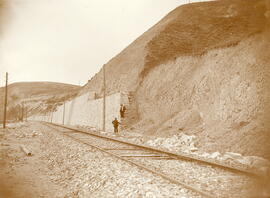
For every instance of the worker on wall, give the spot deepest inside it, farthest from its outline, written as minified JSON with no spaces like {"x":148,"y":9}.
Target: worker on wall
{"x":122,"y":110}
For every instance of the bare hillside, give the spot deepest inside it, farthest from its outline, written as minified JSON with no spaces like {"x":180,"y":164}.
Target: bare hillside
{"x":203,"y":69}
{"x":191,"y":29}
{"x":201,"y":27}
{"x":36,"y":96}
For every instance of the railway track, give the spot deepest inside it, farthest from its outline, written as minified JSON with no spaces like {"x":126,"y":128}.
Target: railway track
{"x":215,"y":179}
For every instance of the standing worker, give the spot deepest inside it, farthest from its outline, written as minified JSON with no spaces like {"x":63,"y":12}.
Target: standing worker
{"x":115,"y":123}
{"x":122,"y":110}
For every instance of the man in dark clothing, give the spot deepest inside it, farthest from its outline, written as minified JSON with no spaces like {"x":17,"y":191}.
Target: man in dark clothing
{"x":122,"y":111}
{"x":115,"y":123}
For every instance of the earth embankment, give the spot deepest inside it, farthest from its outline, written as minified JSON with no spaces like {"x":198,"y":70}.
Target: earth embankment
{"x":203,"y":69}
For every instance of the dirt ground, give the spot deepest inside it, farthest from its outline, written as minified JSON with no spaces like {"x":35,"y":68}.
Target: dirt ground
{"x":60,"y":167}
{"x":21,"y":175}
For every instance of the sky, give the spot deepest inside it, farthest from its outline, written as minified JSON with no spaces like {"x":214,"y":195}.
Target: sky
{"x":68,"y":41}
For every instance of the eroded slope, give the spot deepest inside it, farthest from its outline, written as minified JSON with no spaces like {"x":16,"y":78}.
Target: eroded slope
{"x":202,"y":70}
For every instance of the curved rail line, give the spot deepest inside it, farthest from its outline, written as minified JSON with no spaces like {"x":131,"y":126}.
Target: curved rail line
{"x":169,"y":153}
{"x":146,"y":148}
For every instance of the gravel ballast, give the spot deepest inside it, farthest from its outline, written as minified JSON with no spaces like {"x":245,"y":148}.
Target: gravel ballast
{"x":72,"y":169}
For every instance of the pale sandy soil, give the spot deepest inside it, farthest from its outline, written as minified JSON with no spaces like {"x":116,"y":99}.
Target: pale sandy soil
{"x":21,"y":175}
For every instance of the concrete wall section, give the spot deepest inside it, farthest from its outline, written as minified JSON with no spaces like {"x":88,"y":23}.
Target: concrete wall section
{"x":84,"y":111}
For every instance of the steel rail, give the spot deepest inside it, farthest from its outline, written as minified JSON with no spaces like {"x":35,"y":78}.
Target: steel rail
{"x":169,"y":153}
{"x":170,"y":179}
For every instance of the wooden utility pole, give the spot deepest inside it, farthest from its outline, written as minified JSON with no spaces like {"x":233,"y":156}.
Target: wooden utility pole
{"x":64,"y":112}
{"x":51,"y":116}
{"x":5,"y":104}
{"x":26,"y":113}
{"x":104,"y":99}
{"x":22,"y":110}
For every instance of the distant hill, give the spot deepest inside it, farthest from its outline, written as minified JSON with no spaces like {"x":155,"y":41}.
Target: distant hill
{"x":30,"y":89}
{"x":35,"y":96}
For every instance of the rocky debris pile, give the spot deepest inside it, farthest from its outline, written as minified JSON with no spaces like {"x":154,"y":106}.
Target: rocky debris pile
{"x":86,"y":127}
{"x":180,"y":142}
{"x":25,"y":132}
{"x":16,"y":125}
{"x":186,"y":144}
{"x":259,"y":164}
{"x":28,"y":134}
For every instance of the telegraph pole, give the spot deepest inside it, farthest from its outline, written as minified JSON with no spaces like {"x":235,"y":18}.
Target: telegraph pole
{"x":51,"y":116}
{"x":64,"y":112}
{"x":22,"y":110}
{"x":5,"y":104}
{"x":26,"y":113}
{"x":104,"y":99}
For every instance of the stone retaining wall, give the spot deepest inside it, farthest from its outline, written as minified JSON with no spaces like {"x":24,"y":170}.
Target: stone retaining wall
{"x":86,"y":112}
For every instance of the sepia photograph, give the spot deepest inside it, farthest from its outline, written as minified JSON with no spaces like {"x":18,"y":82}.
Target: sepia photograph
{"x":135,"y":99}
